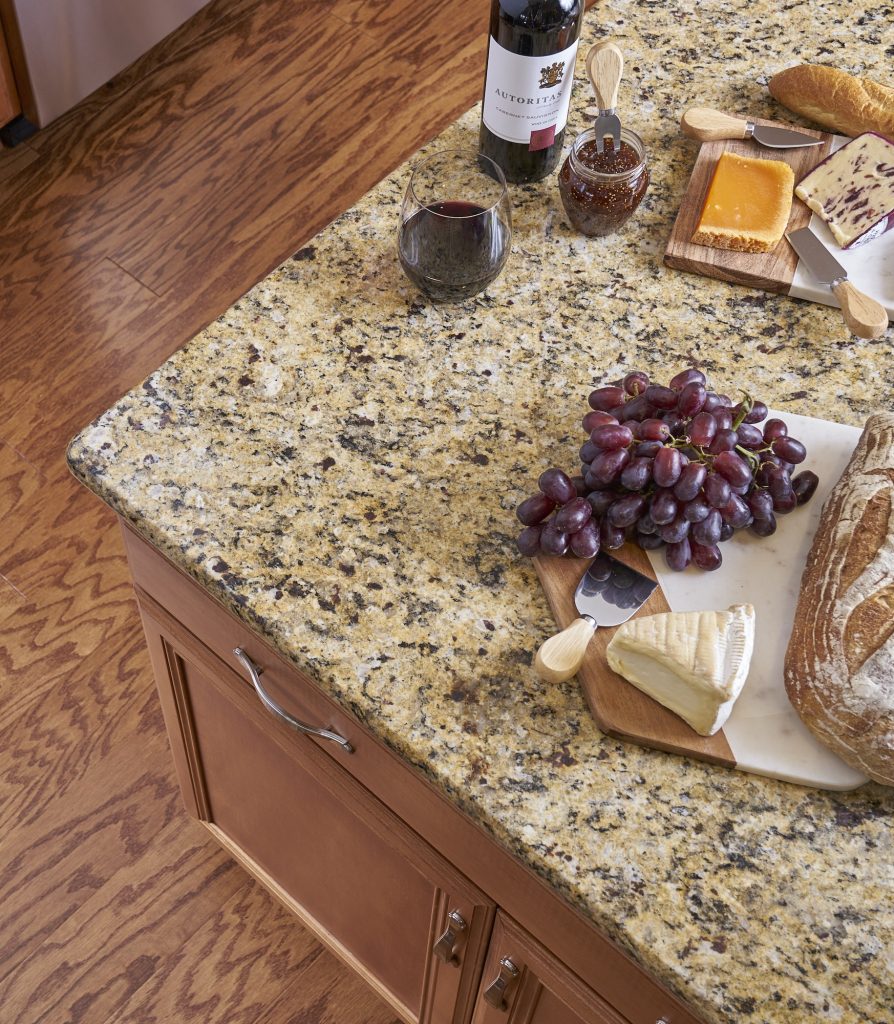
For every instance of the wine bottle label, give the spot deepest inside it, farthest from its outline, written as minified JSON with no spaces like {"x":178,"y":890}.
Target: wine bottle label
{"x":526,"y":99}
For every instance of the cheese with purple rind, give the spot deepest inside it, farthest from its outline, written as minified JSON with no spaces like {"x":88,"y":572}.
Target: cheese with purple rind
{"x":853,"y":190}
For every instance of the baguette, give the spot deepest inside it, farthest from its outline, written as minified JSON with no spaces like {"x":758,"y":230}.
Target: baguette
{"x":835,"y":99}
{"x":839,"y":666}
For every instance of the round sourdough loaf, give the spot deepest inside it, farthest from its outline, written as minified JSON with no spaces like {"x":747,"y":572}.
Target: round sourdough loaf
{"x":835,"y":99}
{"x":839,"y":667}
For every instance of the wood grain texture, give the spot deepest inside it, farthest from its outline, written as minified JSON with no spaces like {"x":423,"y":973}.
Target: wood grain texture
{"x":125,"y":227}
{"x":618,"y":707}
{"x":10,"y":106}
{"x":771,"y":271}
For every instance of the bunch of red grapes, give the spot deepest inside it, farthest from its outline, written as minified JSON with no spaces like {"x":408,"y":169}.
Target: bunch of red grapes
{"x":678,"y":467}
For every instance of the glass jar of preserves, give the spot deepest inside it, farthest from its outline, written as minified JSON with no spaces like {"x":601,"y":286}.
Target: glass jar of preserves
{"x":601,"y":190}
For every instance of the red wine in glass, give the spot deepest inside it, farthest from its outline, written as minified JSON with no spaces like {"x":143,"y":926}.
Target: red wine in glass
{"x":452,"y":248}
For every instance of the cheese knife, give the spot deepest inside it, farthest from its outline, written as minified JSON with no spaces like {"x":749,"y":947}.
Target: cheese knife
{"x":709,"y":125}
{"x":609,"y":593}
{"x":864,"y":316}
{"x":605,"y":65}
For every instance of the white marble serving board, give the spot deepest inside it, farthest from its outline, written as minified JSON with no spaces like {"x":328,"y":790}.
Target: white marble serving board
{"x":870,"y":267}
{"x":766,"y":735}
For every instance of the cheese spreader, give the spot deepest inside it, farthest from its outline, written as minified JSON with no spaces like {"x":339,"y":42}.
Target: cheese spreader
{"x":609,"y":593}
{"x":865,"y":317}
{"x":709,"y":125}
{"x":605,"y":65}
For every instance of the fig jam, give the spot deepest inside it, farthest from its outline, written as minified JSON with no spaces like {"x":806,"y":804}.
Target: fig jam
{"x":601,"y":190}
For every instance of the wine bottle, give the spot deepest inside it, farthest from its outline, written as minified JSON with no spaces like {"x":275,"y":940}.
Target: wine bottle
{"x":527,"y":84}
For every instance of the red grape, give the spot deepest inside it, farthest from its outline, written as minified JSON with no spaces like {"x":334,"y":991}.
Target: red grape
{"x":571,"y":517}
{"x":690,"y":483}
{"x":750,"y":436}
{"x":648,"y":541}
{"x":625,"y":511}
{"x":596,"y":419}
{"x":736,"y":512}
{"x":648,"y":449}
{"x":678,"y":555}
{"x":604,"y":399}
{"x":667,"y":467}
{"x":610,"y":437}
{"x":706,"y":556}
{"x":610,"y":537}
{"x":684,"y":377}
{"x":588,"y":452}
{"x":660,"y":397}
{"x":723,"y":418}
{"x":773,"y":429}
{"x":675,"y":531}
{"x":692,"y":399}
{"x":636,"y":382}
{"x":585,"y":543}
{"x":764,"y":527}
{"x":789,"y":449}
{"x":600,"y":501}
{"x":528,"y":541}
{"x":608,"y":466}
{"x":535,"y":509}
{"x":663,"y":507}
{"x":556,"y":485}
{"x":580,"y":485}
{"x":717,"y":490}
{"x":760,"y":503}
{"x":708,"y":530}
{"x":702,"y":429}
{"x":697,"y":509}
{"x":734,"y":469}
{"x":713,"y":402}
{"x":804,"y":485}
{"x":553,"y":541}
{"x":654,"y":430}
{"x":637,"y":474}
{"x":724,"y":441}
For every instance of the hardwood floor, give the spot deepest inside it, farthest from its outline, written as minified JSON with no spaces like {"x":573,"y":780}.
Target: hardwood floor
{"x":125,"y":227}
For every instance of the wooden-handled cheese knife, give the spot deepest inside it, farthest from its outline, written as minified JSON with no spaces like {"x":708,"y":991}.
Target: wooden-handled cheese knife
{"x":605,"y":65}
{"x":709,"y":125}
{"x":607,"y":595}
{"x":864,"y":316}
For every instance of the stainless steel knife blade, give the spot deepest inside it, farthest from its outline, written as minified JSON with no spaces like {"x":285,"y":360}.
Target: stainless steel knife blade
{"x":820,"y":262}
{"x":610,"y":592}
{"x":783,"y":138}
{"x":864,"y":316}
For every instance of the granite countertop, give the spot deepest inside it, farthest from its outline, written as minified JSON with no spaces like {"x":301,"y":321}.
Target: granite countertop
{"x":339,"y":462}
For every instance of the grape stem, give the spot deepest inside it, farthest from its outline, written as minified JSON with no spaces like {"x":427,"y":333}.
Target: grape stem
{"x":747,"y":405}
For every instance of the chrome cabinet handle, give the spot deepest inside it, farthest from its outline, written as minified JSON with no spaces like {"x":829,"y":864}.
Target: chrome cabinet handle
{"x":496,"y":991}
{"x":254,"y":673}
{"x":446,"y":947}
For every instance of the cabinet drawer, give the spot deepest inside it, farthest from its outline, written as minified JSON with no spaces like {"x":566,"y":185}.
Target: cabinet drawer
{"x":523,"y":983}
{"x":370,"y":888}
{"x":221,"y":632}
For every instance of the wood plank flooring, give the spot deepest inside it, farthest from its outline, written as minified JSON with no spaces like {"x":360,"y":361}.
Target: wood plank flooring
{"x":125,"y":227}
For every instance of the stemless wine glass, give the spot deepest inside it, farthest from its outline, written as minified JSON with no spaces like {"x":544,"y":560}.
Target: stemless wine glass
{"x":455,"y":225}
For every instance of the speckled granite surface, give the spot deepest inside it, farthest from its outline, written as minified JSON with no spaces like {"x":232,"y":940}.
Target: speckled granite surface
{"x":339,"y":462}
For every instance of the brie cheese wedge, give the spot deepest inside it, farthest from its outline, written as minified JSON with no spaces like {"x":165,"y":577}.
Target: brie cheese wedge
{"x":694,"y":663}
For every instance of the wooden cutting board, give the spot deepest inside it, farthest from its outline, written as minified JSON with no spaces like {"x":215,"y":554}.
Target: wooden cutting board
{"x":621,"y":710}
{"x":764,"y":734}
{"x":771,"y":271}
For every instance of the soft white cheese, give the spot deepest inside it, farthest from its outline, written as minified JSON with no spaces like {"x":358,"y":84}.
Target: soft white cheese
{"x":853,"y":190}
{"x":693,"y":663}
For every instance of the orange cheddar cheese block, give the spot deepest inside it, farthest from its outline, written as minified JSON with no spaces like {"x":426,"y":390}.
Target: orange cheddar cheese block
{"x":748,"y":204}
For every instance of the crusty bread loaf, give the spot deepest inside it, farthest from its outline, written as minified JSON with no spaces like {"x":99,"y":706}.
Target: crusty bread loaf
{"x":835,"y":99}
{"x":839,"y":667}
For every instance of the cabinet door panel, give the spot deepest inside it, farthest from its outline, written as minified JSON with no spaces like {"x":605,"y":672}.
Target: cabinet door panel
{"x":356,"y":874}
{"x":523,"y":983}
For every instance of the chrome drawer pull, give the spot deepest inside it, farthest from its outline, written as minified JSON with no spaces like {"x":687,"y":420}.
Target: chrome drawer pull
{"x":254,"y":673}
{"x":496,"y":991}
{"x":445,"y":948}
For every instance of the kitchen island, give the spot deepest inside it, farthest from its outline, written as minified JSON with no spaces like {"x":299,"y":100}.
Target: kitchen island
{"x":337,"y":463}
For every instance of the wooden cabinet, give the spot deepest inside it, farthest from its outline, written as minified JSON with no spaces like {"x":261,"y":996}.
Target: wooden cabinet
{"x":438,"y":917}
{"x":402,"y":916}
{"x":9,"y":97}
{"x":523,"y":983}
